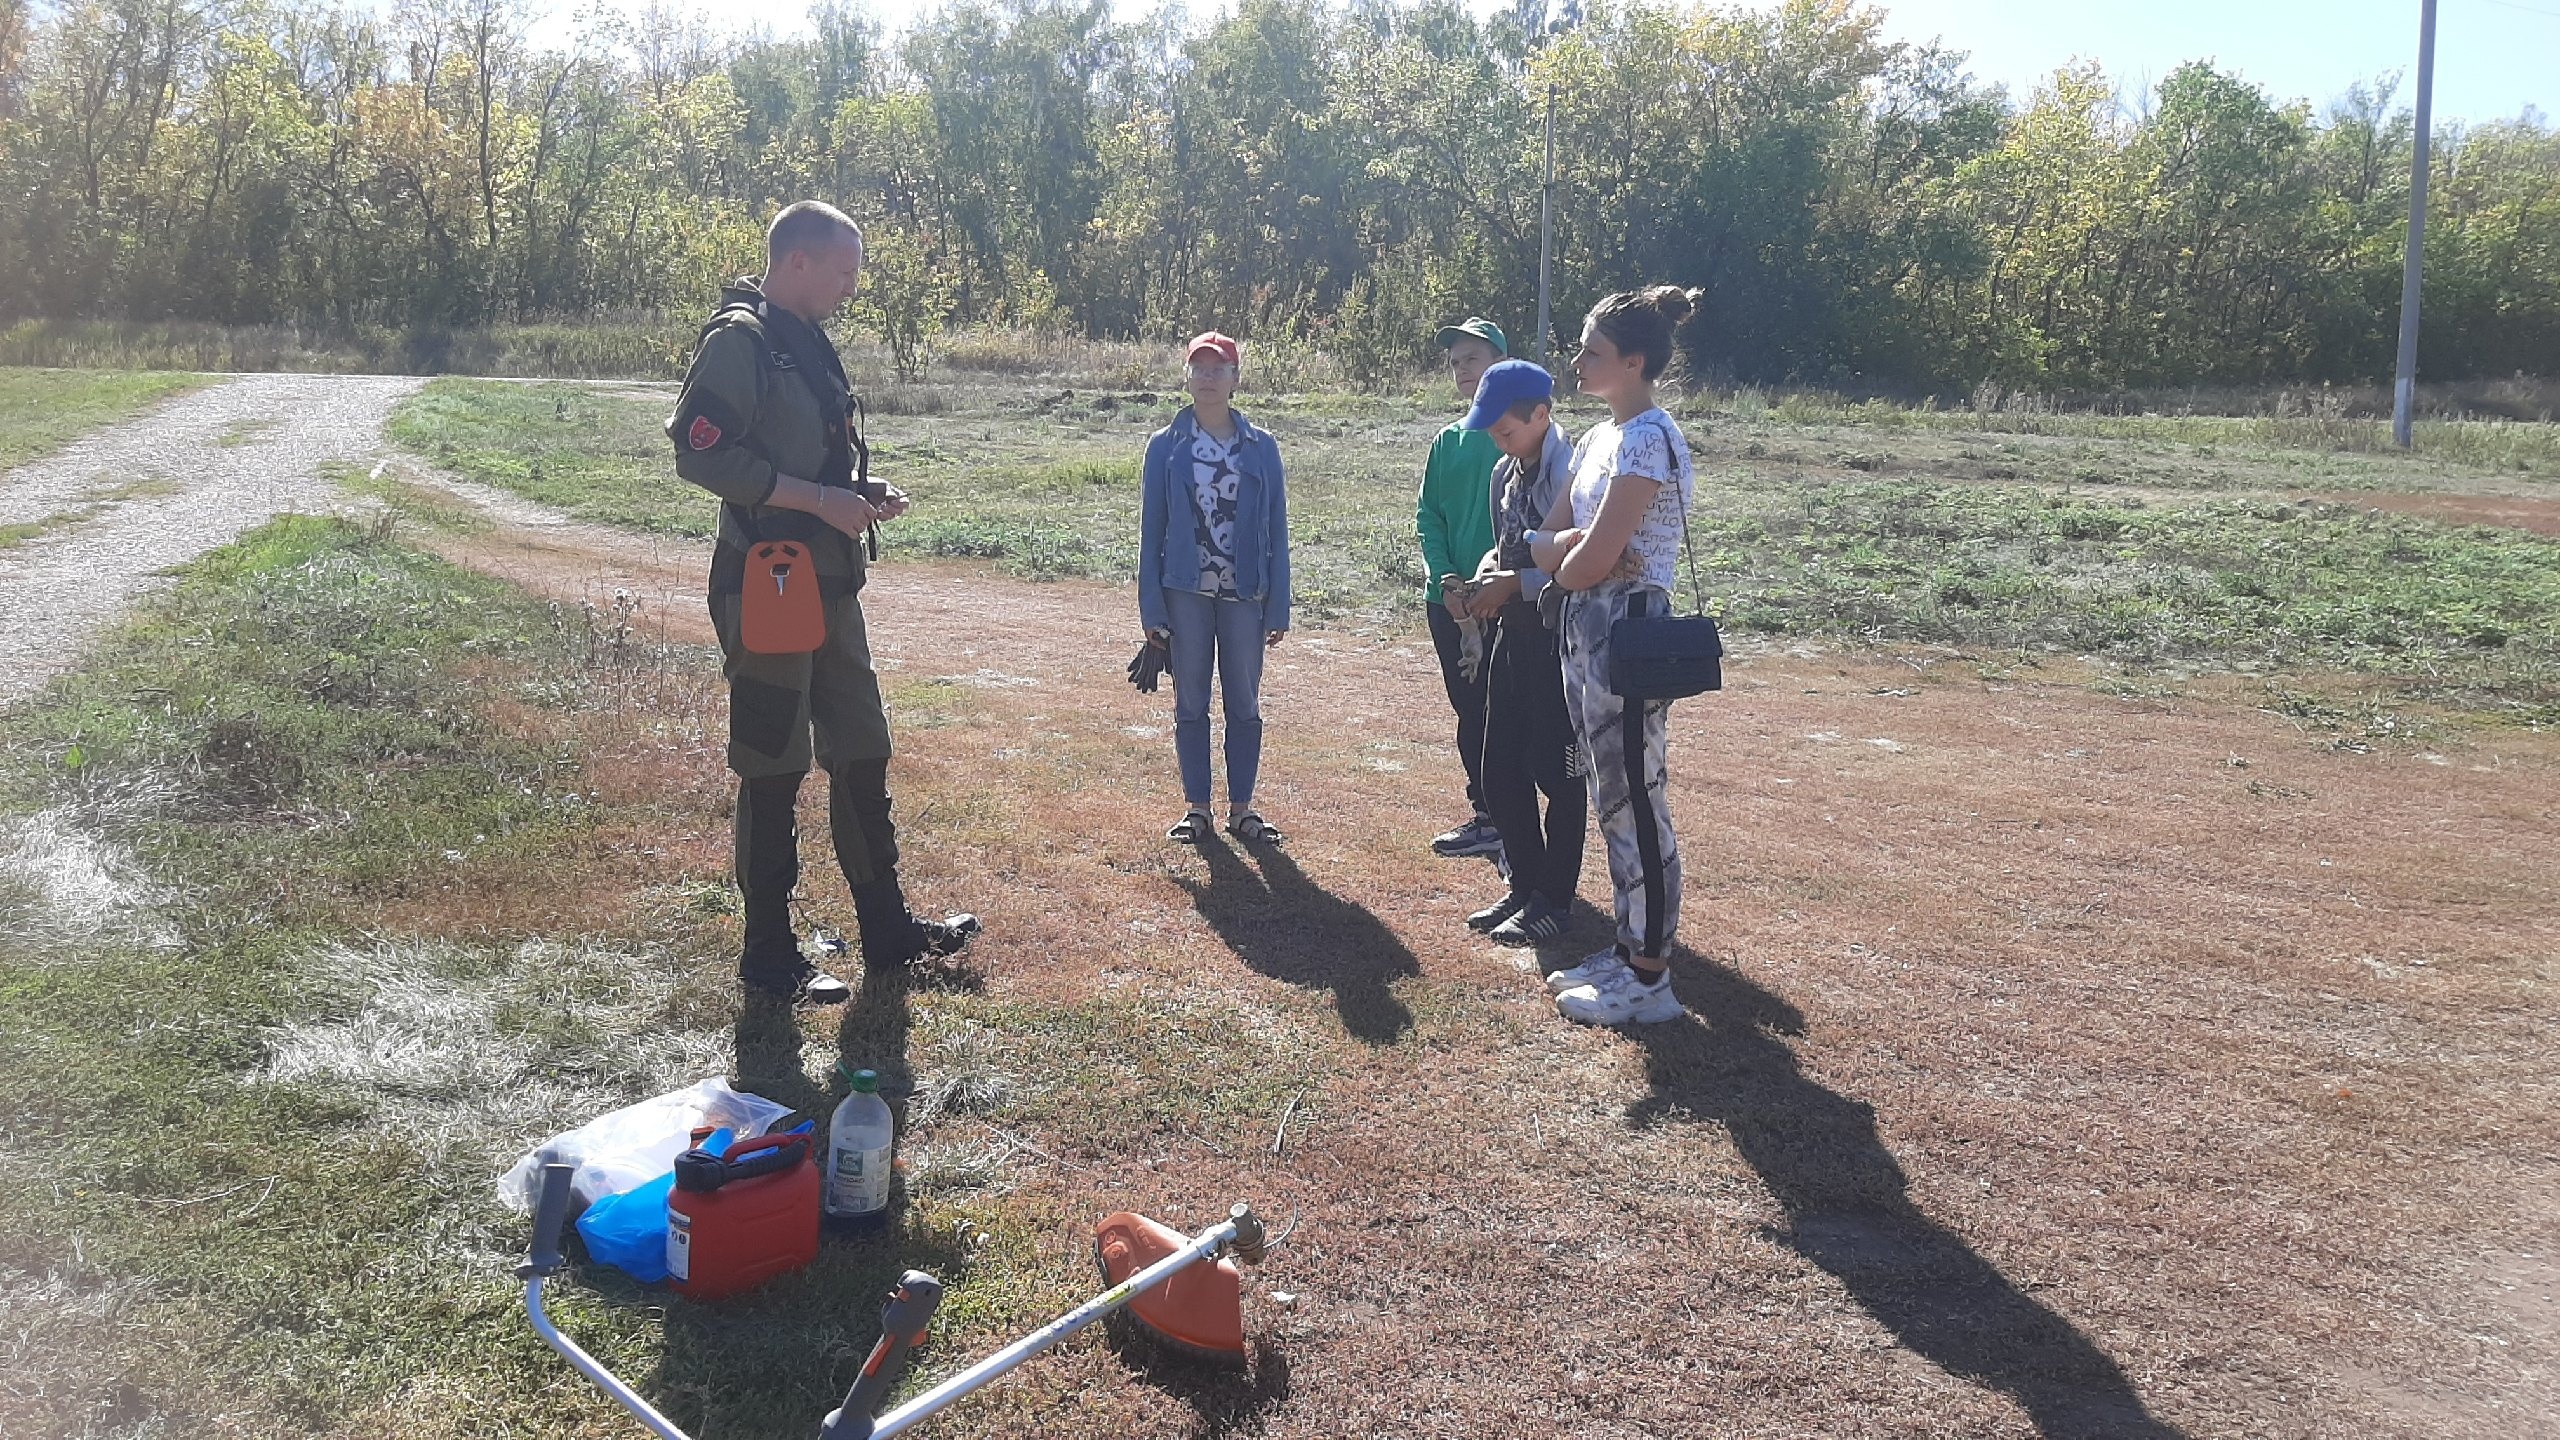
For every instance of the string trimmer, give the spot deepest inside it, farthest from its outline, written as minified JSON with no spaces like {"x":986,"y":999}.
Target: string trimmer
{"x":1183,"y":1291}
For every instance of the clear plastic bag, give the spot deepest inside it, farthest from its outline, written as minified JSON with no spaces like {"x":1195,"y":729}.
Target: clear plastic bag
{"x":638,"y":1143}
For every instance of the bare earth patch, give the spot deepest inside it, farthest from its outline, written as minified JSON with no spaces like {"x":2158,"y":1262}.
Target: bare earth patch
{"x":2541,"y":516}
{"x":2058,"y":1063}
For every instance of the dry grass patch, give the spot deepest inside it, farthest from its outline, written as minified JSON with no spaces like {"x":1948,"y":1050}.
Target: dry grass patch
{"x":2048,"y":1068}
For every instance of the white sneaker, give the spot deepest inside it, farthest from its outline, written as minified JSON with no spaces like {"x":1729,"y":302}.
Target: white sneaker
{"x":1599,"y":967}
{"x":1621,"y":999}
{"x":1477,"y":837}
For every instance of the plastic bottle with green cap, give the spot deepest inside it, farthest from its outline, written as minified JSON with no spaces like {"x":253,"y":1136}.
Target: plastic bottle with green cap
{"x":861,"y":1142}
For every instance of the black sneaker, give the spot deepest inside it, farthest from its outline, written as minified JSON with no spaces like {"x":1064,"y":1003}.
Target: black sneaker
{"x":808,"y":985}
{"x":949,"y":935}
{"x":1494,"y":914}
{"x":1536,"y":923}
{"x":1476,"y":837}
{"x":926,"y":940}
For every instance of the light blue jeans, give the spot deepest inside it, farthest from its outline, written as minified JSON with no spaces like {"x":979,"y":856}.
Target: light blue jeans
{"x":1225,"y":635}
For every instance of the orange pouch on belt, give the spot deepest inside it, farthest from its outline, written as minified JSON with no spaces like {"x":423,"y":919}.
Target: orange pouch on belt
{"x":779,"y":612}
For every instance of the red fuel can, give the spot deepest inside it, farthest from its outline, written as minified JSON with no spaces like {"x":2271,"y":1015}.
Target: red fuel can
{"x":736,"y":1221}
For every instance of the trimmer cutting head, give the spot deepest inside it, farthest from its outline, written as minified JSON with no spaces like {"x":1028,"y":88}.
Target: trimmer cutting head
{"x":1199,"y":1312}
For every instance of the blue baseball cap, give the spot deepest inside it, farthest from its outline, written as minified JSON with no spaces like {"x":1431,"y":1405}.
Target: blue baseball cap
{"x":1506,"y":383}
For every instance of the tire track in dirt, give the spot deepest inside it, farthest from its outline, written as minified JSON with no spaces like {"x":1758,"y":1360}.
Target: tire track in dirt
{"x":545,"y":552}
{"x":2514,"y":512}
{"x":122,"y":506}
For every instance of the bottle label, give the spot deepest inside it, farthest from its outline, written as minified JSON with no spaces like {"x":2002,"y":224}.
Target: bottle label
{"x":860,"y":1184}
{"x":679,"y":1246}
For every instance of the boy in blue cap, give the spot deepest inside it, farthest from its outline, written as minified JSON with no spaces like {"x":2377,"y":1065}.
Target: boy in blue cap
{"x":1453,"y":518}
{"x":1529,"y":738}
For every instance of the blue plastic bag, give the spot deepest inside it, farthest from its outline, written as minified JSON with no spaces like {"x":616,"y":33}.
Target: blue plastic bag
{"x":629,"y":1231}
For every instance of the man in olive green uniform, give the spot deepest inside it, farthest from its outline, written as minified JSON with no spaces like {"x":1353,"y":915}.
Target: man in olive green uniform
{"x":764,"y":422}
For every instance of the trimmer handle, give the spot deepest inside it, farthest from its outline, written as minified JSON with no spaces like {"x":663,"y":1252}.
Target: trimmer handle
{"x":550,"y":1212}
{"x":902,"y":1325}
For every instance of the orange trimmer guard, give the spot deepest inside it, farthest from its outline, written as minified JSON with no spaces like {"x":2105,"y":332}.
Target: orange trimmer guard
{"x":1200,"y":1310}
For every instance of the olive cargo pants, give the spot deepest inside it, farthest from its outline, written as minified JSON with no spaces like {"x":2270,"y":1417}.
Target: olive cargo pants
{"x":786,"y":713}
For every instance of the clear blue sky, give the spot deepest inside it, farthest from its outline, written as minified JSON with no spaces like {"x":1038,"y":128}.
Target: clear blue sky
{"x":2493,"y":57}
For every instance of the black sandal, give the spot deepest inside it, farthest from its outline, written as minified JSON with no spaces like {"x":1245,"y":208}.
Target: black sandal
{"x":1252,"y":829}
{"x":1191,"y":829}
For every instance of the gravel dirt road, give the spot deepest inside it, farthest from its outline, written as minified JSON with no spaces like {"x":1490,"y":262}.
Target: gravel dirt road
{"x":99,"y":523}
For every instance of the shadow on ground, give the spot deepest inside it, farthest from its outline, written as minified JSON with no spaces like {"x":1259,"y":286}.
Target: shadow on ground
{"x":775,"y":1360}
{"x":768,"y":1050}
{"x":1230,"y":1400}
{"x":871,"y":1034}
{"x":1286,"y":926}
{"x":1849,"y":1211}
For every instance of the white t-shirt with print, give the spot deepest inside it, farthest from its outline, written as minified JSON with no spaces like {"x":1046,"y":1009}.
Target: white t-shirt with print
{"x":1213,"y":511}
{"x":1651,"y":447}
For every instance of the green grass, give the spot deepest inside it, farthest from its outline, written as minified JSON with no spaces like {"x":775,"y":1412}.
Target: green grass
{"x":247,"y":430}
{"x":252,"y":1120}
{"x":2469,"y":613}
{"x":19,"y":533}
{"x":1047,"y":489}
{"x":412,"y":502}
{"x":597,"y":455}
{"x":2069,"y":545}
{"x":603,"y":349}
{"x":2499,"y":446}
{"x":97,"y":501}
{"x":285,"y":743}
{"x":43,"y":410}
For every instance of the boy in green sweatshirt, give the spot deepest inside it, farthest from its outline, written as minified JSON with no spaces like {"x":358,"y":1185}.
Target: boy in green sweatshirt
{"x":1454,"y":519}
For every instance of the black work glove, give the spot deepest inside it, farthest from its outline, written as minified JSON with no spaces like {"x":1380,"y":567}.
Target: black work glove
{"x":1148,"y":667}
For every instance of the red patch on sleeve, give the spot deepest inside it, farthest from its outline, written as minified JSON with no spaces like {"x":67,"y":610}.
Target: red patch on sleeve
{"x":703,"y":435}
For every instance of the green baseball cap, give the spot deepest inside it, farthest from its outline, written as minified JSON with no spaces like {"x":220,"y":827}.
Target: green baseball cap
{"x":1475,"y":327}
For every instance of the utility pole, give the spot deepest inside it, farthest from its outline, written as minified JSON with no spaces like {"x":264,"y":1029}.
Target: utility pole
{"x":2405,"y":382}
{"x":1546,"y":232}
{"x":1571,"y":17}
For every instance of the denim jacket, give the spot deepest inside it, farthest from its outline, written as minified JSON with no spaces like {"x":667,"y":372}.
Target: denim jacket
{"x":1168,"y":548}
{"x":1538,"y":496}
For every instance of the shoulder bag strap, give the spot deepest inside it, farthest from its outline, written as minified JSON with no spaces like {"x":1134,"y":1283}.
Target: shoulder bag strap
{"x":1697,"y":589}
{"x":742,"y":314}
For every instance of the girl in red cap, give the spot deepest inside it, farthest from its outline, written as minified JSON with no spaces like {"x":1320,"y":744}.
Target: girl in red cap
{"x":1213,"y":578}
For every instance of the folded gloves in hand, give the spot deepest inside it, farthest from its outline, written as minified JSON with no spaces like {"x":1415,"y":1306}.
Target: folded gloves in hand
{"x":1148,"y":667}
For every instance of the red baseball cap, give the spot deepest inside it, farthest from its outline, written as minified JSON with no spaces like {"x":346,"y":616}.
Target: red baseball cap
{"x":1222,"y":346}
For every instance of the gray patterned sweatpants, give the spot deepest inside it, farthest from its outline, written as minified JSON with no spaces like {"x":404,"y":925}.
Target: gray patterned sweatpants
{"x":1623,"y":750}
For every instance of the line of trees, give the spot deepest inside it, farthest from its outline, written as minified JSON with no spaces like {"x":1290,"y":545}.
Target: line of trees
{"x":1860,"y":213}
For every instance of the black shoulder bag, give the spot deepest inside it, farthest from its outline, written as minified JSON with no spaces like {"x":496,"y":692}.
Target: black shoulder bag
{"x":1667,"y":657}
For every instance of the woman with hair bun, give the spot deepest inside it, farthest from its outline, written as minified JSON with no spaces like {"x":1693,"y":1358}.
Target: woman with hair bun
{"x":1612,"y":544}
